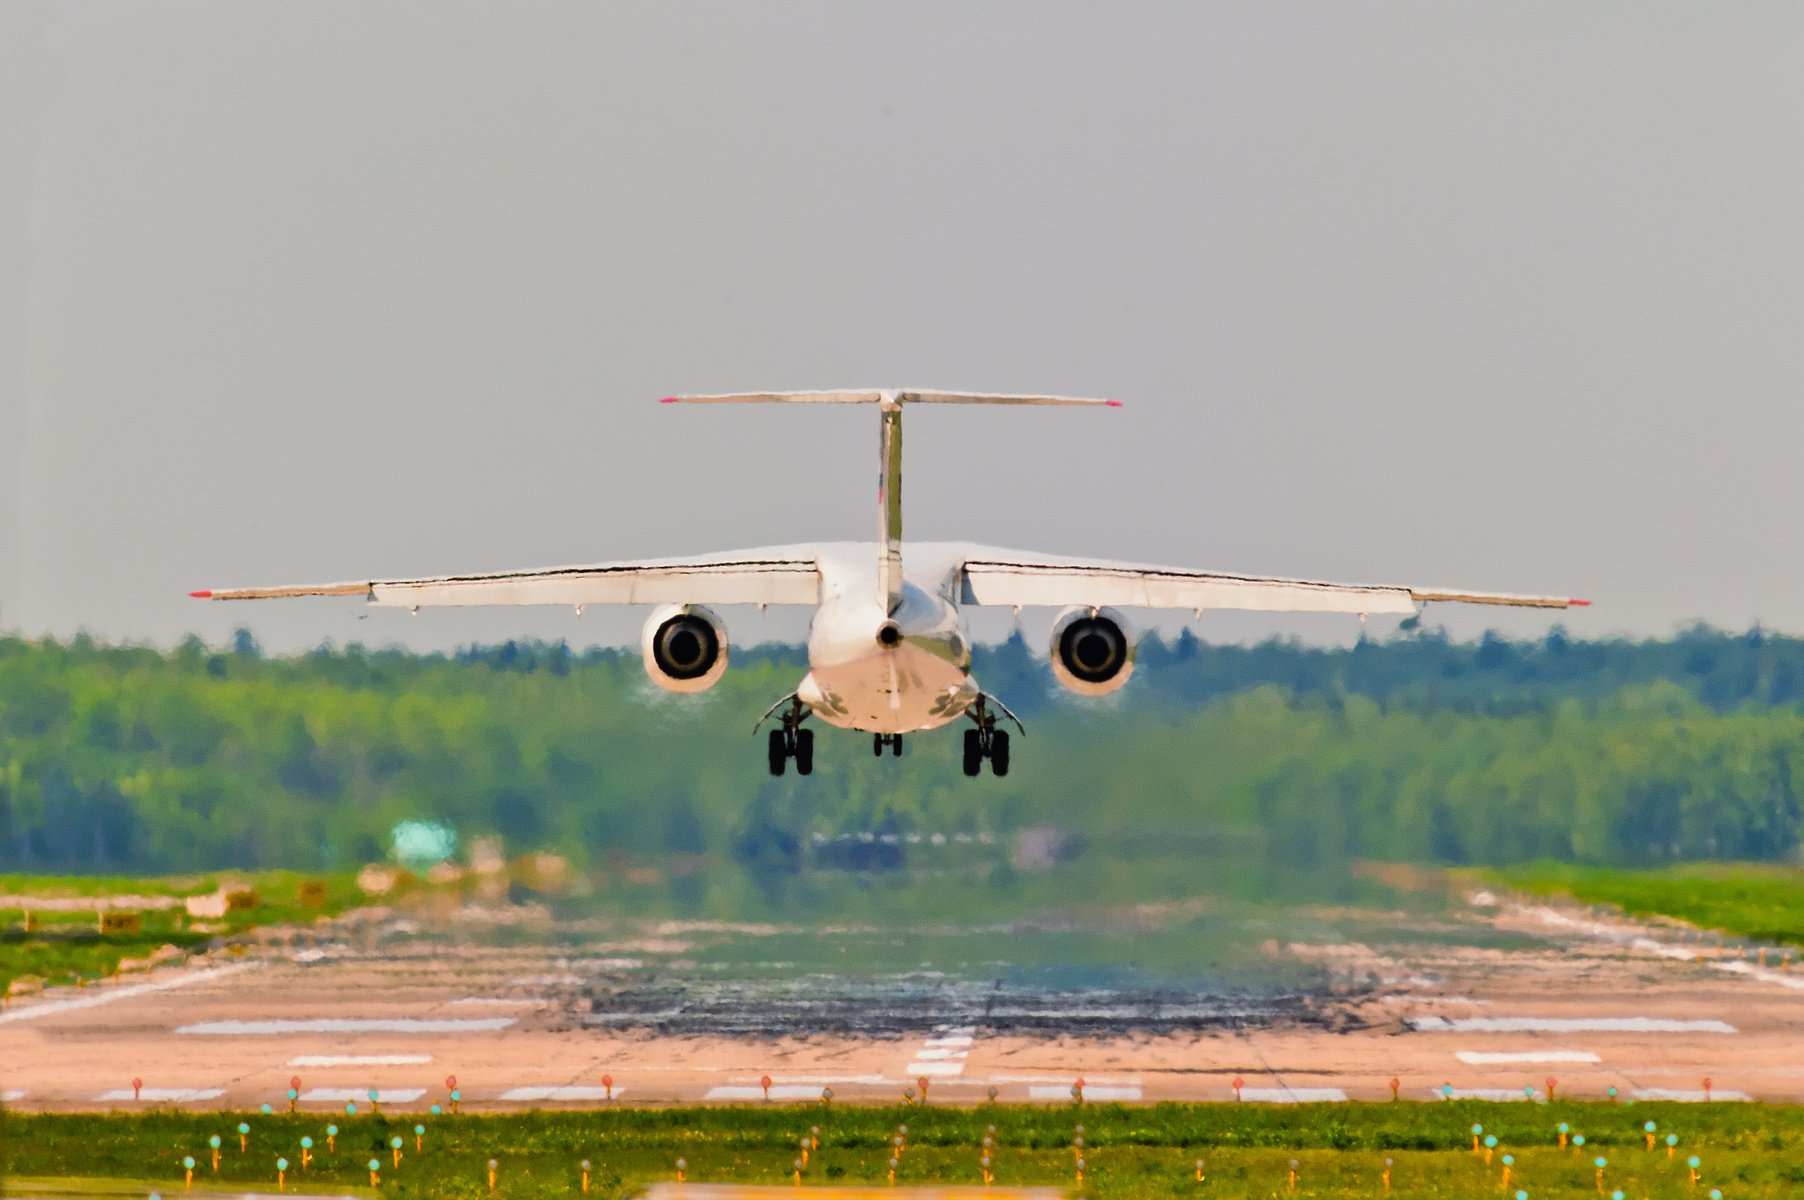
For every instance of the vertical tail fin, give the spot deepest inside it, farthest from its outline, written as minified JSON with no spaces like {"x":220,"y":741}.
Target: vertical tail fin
{"x":889,"y":478}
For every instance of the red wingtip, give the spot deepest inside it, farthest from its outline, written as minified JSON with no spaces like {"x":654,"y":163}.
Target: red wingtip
{"x":1113,"y":403}
{"x":202,"y":595}
{"x":668,"y":400}
{"x":1575,"y":602}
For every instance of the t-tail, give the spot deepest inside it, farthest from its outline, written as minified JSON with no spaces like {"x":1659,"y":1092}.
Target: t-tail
{"x":889,"y":471}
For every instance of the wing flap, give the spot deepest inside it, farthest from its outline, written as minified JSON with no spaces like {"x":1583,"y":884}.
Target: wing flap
{"x":721,"y":581}
{"x":995,"y":581}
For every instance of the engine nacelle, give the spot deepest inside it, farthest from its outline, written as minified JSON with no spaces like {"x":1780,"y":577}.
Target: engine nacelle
{"x":1092,"y":650}
{"x":685,"y":648}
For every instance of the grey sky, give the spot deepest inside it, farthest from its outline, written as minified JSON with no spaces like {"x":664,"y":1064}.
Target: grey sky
{"x":1503,"y":296}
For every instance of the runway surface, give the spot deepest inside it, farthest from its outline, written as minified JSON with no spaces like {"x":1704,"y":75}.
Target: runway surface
{"x":1490,"y":1001}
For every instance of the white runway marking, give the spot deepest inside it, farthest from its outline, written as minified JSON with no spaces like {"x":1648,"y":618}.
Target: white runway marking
{"x":778,"y":1091}
{"x":361,"y":1095}
{"x":1482,"y":1058}
{"x":1565,"y":1025}
{"x":937,"y":1055}
{"x":1284,"y":1095}
{"x":496,"y":1002}
{"x":1685,"y":1096}
{"x":1497,"y":1094}
{"x":1067,"y":1080}
{"x":942,"y":1056}
{"x":162,"y":1095}
{"x":949,"y":1041}
{"x":359,"y":1060}
{"x":349,"y":1025}
{"x":935,"y":1070}
{"x":1091,"y":1092}
{"x":8,"y":1095}
{"x":98,"y":997}
{"x":522,"y":1094}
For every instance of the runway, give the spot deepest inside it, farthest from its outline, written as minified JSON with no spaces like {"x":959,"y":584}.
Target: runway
{"x":1502,"y":1002}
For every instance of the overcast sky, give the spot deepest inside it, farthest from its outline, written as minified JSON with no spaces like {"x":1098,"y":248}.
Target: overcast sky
{"x":1499,"y":296}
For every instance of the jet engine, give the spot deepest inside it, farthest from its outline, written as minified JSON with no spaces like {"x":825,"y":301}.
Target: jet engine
{"x":1092,"y":650}
{"x":685,"y":647}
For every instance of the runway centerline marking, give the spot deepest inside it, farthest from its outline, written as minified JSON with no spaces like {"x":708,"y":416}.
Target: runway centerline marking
{"x":349,"y":1025}
{"x":1499,"y":1095}
{"x":95,"y":999}
{"x":1566,"y":1025}
{"x":778,"y":1091}
{"x":1482,"y":1058}
{"x":359,"y":1060}
{"x":1688,"y":1097}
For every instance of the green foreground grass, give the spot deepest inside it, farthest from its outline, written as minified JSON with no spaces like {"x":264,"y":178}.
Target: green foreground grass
{"x":1131,"y":1152}
{"x":1762,"y":902}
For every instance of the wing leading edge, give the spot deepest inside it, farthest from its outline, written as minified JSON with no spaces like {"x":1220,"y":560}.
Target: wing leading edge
{"x":1031,"y":581}
{"x":748,"y":577}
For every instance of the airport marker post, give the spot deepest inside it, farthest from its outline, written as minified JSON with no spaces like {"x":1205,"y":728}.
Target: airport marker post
{"x":1600,"y":1162}
{"x":1509,"y":1160}
{"x":1706,"y":1089}
{"x":1238,"y":1084}
{"x":1396,"y":1086}
{"x":375,"y":1165}
{"x":137,"y":1088}
{"x":1293,"y":1174}
{"x":281,"y":1174}
{"x":585,"y":1167}
{"x":1490,"y":1145}
{"x":306,"y":1152}
{"x":1647,"y":1131}
{"x":1564,"y":1129}
{"x":1672,"y":1141}
{"x":294,"y":1095}
{"x":1386,"y":1176}
{"x":495,"y":1166}
{"x":244,"y":1138}
{"x":922,"y":1084}
{"x":1551,"y":1084}
{"x":607,"y":1085}
{"x":764,"y":1082}
{"x":394,"y":1143}
{"x":188,"y":1167}
{"x":419,"y":1139}
{"x":213,"y":1142}
{"x":332,"y":1138}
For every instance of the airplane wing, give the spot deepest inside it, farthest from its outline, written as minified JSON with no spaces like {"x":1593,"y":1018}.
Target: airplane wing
{"x":1022,"y":581}
{"x":742,"y":577}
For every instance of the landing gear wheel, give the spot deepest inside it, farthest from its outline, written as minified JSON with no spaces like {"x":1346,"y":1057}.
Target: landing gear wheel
{"x":973,"y":753}
{"x":804,"y":752}
{"x":999,"y":753}
{"x":877,"y":745}
{"x":779,"y":752}
{"x":895,"y":745}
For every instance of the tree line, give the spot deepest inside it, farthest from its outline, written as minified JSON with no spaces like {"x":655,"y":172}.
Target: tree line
{"x":131,"y":758}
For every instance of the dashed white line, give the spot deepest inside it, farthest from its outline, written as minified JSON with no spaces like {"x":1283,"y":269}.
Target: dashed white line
{"x":1691,"y":1097}
{"x":526,"y":1094}
{"x":1500,"y":1095}
{"x":359,"y":1060}
{"x":1091,"y":1092}
{"x":1287,"y":1095}
{"x":778,"y":1091}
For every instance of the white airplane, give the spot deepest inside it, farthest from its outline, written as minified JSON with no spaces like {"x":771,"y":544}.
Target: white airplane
{"x":887,"y":650}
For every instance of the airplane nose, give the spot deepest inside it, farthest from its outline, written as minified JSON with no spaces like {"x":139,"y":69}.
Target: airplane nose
{"x":889,"y":634}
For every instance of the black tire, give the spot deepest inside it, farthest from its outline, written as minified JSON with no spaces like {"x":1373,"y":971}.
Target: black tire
{"x":999,"y":753}
{"x":804,"y":752}
{"x":895,"y":742}
{"x":779,"y":752}
{"x":877,"y":745}
{"x":973,"y":753}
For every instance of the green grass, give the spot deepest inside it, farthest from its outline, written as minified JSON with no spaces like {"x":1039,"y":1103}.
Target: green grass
{"x":1747,"y":1150}
{"x":66,"y":946}
{"x":1758,"y":901}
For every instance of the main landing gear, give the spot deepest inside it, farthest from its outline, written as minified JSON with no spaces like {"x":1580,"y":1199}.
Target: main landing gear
{"x":792,"y":741}
{"x":986,"y":741}
{"x":892,"y":740}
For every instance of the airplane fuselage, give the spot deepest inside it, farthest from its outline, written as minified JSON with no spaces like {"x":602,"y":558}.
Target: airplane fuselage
{"x":888,"y":671}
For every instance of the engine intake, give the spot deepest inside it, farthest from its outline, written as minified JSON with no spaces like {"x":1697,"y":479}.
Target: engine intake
{"x":685,"y":648}
{"x":1092,"y":650}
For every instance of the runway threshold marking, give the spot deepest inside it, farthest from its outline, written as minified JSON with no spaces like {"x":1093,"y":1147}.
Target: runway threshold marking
{"x":359,"y":1060}
{"x":98,"y":997}
{"x":356,"y":1095}
{"x":160,"y":1095}
{"x":569,"y":1092}
{"x":349,"y":1025}
{"x":1286,"y":1095}
{"x":1565,"y":1025}
{"x":1091,"y":1092}
{"x":1485,"y":1058}
{"x":8,"y":1095}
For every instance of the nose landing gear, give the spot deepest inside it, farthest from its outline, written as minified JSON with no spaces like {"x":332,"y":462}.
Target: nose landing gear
{"x":987,"y":741}
{"x":892,"y":740}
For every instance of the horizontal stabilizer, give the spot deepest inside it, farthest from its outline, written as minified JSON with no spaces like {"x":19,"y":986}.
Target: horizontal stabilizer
{"x":885,"y":396}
